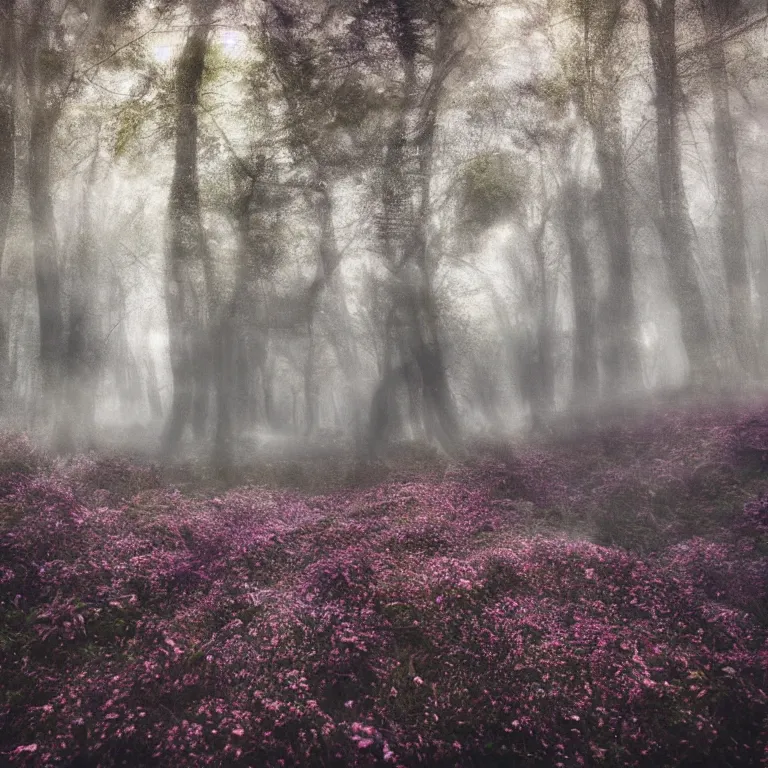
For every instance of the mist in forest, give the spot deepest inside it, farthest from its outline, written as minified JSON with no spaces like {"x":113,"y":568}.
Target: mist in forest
{"x":228,"y":226}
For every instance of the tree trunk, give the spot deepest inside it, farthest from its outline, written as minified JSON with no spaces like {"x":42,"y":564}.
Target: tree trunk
{"x":761,"y":283}
{"x":153,"y":390}
{"x":621,"y":355}
{"x":600,"y":105}
{"x":339,"y":322}
{"x":439,"y":406}
{"x":676,"y":227}
{"x":585,"y":373}
{"x":543,"y":395}
{"x":45,"y":250}
{"x":403,"y":230}
{"x":75,"y":424}
{"x":7,"y":179}
{"x":731,"y":201}
{"x":224,"y":368}
{"x":186,"y":252}
{"x":7,"y":122}
{"x":310,"y":394}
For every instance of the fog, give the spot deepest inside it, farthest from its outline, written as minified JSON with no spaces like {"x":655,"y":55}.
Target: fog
{"x":232,"y":226}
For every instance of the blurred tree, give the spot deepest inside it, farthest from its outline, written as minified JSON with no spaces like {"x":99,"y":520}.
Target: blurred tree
{"x":322,"y":93}
{"x":188,"y":279}
{"x":675,"y":224}
{"x":429,"y":32}
{"x":8,"y":77}
{"x":719,"y":17}
{"x":594,"y":68}
{"x":60,"y":44}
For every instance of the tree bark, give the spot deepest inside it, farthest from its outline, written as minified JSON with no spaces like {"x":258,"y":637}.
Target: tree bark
{"x":676,"y":227}
{"x":585,"y":372}
{"x":186,"y":252}
{"x":76,"y":423}
{"x":153,"y":390}
{"x":339,"y":324}
{"x":543,"y":392}
{"x":621,"y":355}
{"x":730,"y":197}
{"x":600,"y":106}
{"x":45,"y":250}
{"x":7,"y":119}
{"x":8,"y":72}
{"x":761,"y":283}
{"x":403,"y":230}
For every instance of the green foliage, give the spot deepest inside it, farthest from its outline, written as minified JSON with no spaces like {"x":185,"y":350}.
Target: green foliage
{"x":217,"y":64}
{"x":492,"y":189}
{"x":130,"y":120}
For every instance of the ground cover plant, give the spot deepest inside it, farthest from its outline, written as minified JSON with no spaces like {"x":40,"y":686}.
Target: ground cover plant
{"x":600,"y":603}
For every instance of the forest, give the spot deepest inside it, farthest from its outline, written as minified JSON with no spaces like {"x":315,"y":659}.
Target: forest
{"x":384,"y":382}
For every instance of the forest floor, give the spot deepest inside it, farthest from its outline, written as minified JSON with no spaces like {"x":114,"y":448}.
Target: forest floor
{"x":598,"y":600}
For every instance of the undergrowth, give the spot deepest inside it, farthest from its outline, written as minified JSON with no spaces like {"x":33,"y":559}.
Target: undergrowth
{"x":605,"y":605}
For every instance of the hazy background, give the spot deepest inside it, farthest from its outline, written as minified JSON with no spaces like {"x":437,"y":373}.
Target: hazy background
{"x":374,"y":220}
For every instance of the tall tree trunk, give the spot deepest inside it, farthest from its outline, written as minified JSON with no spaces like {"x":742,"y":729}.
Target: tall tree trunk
{"x":75,"y":425}
{"x":7,"y":118}
{"x":153,"y":390}
{"x":240,"y":335}
{"x":676,"y":227}
{"x":8,"y":72}
{"x":761,"y":284}
{"x":310,"y":393}
{"x":585,"y":373}
{"x":601,"y":108}
{"x":186,"y":251}
{"x":730,"y":197}
{"x":403,"y":229}
{"x":439,"y":406}
{"x":45,"y":250}
{"x":339,"y":322}
{"x":543,"y":394}
{"x":622,"y":355}
{"x":224,"y":350}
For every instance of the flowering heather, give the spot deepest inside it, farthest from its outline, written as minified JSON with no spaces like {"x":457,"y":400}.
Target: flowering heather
{"x":600,"y":607}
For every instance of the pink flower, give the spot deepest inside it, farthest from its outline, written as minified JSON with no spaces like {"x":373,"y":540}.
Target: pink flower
{"x":26,"y":748}
{"x":364,"y":743}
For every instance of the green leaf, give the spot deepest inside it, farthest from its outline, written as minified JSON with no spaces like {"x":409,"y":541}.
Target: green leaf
{"x":130,"y":121}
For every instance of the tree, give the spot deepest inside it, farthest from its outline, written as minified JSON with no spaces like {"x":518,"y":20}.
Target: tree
{"x":187,"y":258}
{"x":675,"y":225}
{"x":56,"y":41}
{"x":593,"y":71}
{"x":718,"y":17}
{"x":405,"y":210}
{"x":8,"y":76}
{"x":298,"y":42}
{"x":585,"y":370}
{"x":79,"y":355}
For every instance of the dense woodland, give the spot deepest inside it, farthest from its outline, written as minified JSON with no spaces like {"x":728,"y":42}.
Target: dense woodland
{"x":383,"y":383}
{"x":375,"y":219}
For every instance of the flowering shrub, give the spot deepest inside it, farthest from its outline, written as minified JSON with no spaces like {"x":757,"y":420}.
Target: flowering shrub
{"x":462,"y":621}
